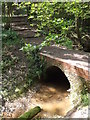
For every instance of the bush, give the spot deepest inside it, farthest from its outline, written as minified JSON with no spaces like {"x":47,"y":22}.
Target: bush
{"x":37,"y":64}
{"x":84,"y":96}
{"x":10,"y":37}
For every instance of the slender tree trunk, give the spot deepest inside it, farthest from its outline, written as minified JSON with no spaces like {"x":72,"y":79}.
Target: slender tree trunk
{"x":3,"y":8}
{"x":9,"y":13}
{"x":28,"y":9}
{"x":77,"y":25}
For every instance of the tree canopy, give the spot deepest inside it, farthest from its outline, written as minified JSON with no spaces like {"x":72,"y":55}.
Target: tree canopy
{"x":64,"y":23}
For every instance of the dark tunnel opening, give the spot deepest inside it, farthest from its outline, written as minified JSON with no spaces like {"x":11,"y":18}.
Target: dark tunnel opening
{"x":56,"y":76}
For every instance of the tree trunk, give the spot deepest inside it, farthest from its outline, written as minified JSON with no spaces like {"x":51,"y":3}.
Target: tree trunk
{"x":77,"y":25}
{"x":9,"y":14}
{"x":3,"y":8}
{"x":28,"y":9}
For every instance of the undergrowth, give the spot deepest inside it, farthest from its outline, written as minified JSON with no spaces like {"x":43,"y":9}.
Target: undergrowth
{"x":10,"y":61}
{"x":10,"y":44}
{"x":10,"y":38}
{"x":84,"y":96}
{"x":37,"y":65}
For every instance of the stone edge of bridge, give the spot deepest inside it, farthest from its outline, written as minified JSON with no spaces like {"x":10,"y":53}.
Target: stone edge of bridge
{"x":77,"y":70}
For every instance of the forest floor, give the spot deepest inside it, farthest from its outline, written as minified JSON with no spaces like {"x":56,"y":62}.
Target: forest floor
{"x":54,"y":101}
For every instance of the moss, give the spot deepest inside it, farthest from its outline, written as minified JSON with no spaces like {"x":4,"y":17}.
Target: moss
{"x":30,"y":114}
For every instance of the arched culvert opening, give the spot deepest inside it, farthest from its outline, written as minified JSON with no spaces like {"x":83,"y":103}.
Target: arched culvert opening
{"x":56,"y":76}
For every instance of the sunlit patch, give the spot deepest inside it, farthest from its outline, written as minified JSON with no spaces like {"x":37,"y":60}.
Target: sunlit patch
{"x":52,"y":89}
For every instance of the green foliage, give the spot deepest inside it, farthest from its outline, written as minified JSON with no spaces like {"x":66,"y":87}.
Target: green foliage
{"x":78,"y":9}
{"x":58,"y":19}
{"x":64,"y":41}
{"x":11,"y":43}
{"x":84,"y":96}
{"x":36,"y":63}
{"x":8,"y":61}
{"x":4,"y":19}
{"x":58,"y":39}
{"x":10,"y":37}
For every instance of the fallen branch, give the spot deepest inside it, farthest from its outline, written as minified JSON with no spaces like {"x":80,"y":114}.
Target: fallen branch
{"x":30,"y":114}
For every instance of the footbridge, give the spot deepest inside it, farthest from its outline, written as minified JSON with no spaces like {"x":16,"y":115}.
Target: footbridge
{"x":74,"y":64}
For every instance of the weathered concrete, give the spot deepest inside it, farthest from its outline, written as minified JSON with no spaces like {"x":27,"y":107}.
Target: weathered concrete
{"x":75,"y":69}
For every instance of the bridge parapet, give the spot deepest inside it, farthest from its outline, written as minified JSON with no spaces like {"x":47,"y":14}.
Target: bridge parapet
{"x":72,"y":67}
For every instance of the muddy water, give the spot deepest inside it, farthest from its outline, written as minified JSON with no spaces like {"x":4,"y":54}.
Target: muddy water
{"x":53,"y":99}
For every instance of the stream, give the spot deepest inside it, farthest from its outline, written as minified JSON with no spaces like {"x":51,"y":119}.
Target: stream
{"x":52,"y":98}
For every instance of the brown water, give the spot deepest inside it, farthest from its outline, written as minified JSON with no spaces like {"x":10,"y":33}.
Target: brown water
{"x":53,"y":99}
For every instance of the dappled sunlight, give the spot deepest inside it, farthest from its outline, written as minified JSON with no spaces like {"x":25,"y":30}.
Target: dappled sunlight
{"x":78,"y":56}
{"x":57,"y":52}
{"x":45,"y":58}
{"x":78,"y":63}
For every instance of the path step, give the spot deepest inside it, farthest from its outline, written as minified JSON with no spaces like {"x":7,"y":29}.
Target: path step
{"x":23,"y":29}
{"x":19,"y":28}
{"x":19,"y":19}
{"x":35,"y":40}
{"x":26,"y":34}
{"x":19,"y":23}
{"x":19,"y":16}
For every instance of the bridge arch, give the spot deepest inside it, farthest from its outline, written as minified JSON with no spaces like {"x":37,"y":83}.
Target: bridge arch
{"x":56,"y":76}
{"x":71,"y":80}
{"x":76,"y":82}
